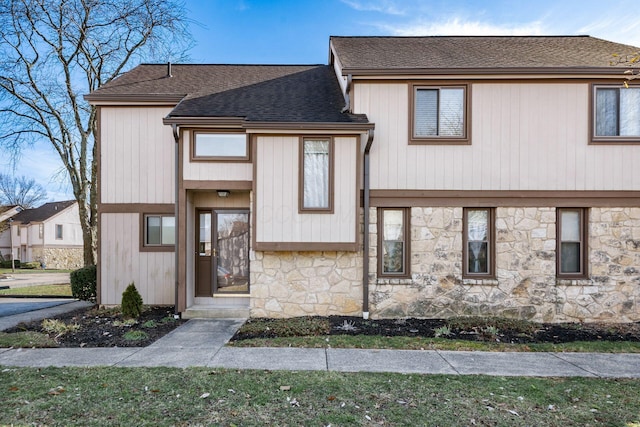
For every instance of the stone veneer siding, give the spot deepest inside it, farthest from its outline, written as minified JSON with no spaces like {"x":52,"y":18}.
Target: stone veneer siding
{"x":59,"y":258}
{"x":291,"y":284}
{"x":525,"y":286}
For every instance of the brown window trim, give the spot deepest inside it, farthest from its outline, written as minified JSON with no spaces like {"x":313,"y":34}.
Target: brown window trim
{"x":238,"y":159}
{"x":491,"y":274}
{"x":584,"y":244}
{"x":143,"y":231}
{"x":606,"y":140}
{"x":406,"y":218}
{"x":301,"y":208}
{"x":437,"y":140}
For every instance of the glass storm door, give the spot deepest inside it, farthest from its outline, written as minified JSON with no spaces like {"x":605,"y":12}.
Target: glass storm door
{"x":231,"y":251}
{"x":222,"y":253}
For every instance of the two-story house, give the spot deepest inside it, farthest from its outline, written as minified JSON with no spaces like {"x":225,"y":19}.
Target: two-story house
{"x":409,"y":177}
{"x":50,"y":235}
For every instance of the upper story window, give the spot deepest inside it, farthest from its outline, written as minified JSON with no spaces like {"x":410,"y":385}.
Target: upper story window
{"x":59,"y":231}
{"x":479,"y":243}
{"x":220,"y":146}
{"x":440,"y":114}
{"x":616,"y":114}
{"x":316,"y":180}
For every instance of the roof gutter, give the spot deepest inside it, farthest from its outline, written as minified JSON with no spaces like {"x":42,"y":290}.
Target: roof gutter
{"x":176,"y":137}
{"x":365,"y":249}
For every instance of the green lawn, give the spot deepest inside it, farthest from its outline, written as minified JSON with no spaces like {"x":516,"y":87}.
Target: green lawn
{"x":167,"y":396}
{"x":41,"y":290}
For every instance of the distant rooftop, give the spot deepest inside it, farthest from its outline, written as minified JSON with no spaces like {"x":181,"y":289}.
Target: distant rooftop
{"x":42,"y":213}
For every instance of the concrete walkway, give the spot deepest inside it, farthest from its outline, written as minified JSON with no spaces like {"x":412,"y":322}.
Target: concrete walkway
{"x":201,"y":343}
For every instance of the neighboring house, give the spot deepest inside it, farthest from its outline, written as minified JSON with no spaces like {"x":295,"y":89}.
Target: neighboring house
{"x":6,"y":212}
{"x":501,"y":181}
{"x":50,"y":235}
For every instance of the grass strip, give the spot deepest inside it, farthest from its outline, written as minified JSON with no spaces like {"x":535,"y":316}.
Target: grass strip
{"x":200,"y":396}
{"x":63,"y":290}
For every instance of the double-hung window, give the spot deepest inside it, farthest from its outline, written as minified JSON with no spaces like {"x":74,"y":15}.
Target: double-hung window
{"x":58,"y":231}
{"x":159,"y":230}
{"x":616,"y":114}
{"x":393,"y":242}
{"x":440,"y":115}
{"x":479,"y":243}
{"x":316,"y":175}
{"x":572,"y":243}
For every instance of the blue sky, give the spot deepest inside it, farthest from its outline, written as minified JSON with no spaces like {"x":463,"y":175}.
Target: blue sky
{"x":297,"y":32}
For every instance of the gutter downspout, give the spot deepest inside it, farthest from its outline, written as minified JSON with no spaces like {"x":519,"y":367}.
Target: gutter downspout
{"x":365,"y":254}
{"x":176,"y":137}
{"x":347,"y":98}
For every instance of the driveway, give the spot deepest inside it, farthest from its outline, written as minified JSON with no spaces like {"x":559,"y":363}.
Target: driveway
{"x":23,"y":280}
{"x":12,"y":306}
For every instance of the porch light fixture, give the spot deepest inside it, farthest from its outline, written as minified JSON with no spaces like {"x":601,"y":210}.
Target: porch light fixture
{"x":223,"y":193}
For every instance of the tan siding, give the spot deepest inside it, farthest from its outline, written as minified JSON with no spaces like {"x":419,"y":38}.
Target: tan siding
{"x":213,"y":171}
{"x":523,"y":137}
{"x":122,"y":263}
{"x":277,"y":217}
{"x":137,"y":155}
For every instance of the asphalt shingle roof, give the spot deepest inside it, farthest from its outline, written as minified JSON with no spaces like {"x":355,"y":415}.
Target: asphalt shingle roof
{"x":271,"y":93}
{"x":42,"y":213}
{"x":476,"y":52}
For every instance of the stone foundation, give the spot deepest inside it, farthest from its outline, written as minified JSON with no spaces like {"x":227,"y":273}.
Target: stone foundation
{"x":291,"y":284}
{"x":59,"y":258}
{"x":525,"y":286}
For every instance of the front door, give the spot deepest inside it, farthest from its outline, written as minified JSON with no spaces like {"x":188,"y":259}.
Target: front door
{"x":222,"y":264}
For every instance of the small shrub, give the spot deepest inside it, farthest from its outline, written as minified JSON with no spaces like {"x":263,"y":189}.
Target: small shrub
{"x":126,"y":322}
{"x":135,"y":336}
{"x":149,"y":324}
{"x":168,"y":319}
{"x":30,"y":265}
{"x":442,"y":331}
{"x":7,"y":263}
{"x":131,"y":302}
{"x":83,"y":283}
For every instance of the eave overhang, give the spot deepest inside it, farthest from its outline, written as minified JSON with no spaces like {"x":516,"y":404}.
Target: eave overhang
{"x":498,"y":71}
{"x":133,"y":99}
{"x":253,"y":126}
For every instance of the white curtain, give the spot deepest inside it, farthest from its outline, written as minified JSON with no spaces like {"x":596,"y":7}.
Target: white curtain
{"x":630,"y":112}
{"x":316,"y":174}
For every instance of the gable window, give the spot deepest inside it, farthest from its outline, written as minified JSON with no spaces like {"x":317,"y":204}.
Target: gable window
{"x":572,"y":242}
{"x":220,"y":146}
{"x":479,"y":243}
{"x":159,"y":230}
{"x":440,"y":115}
{"x":59,"y":231}
{"x":616,"y":114}
{"x":316,"y":179}
{"x":393,"y":242}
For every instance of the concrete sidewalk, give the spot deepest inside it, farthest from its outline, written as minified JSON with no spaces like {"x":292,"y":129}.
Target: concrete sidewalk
{"x":201,"y":343}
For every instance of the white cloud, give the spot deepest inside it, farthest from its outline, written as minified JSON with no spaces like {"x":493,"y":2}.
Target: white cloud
{"x":384,"y":6}
{"x":459,"y":27}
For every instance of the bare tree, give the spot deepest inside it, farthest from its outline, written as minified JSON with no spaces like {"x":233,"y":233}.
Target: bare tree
{"x":21,"y":191}
{"x":632,"y":60}
{"x":52,"y":52}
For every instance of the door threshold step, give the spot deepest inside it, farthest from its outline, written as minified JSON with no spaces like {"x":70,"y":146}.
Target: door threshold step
{"x":215,"y":312}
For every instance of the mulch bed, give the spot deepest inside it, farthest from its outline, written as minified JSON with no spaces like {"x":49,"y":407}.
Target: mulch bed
{"x":473,"y":329}
{"x":105,"y":328}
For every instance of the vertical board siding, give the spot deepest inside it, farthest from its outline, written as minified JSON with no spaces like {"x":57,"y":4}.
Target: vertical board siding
{"x":122,"y":263}
{"x":277,"y":217}
{"x":136,"y":157}
{"x":524,"y":136}
{"x":211,"y":170}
